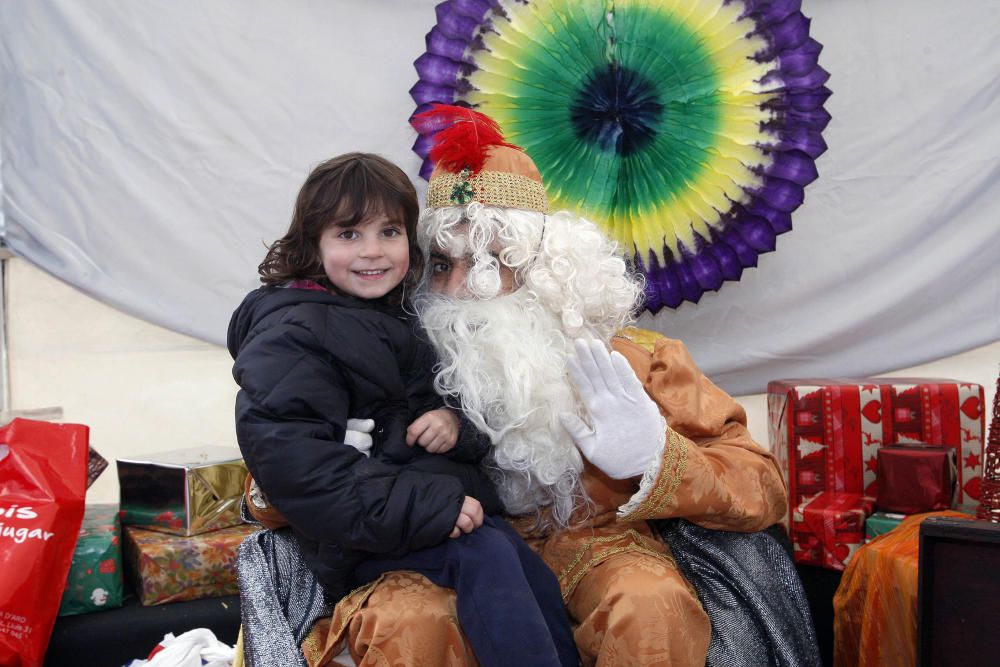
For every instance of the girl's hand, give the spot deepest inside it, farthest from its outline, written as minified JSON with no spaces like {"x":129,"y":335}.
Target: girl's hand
{"x":470,"y":517}
{"x":436,"y":431}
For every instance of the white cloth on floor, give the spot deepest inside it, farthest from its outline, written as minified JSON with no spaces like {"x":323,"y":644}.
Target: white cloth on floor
{"x":194,"y":648}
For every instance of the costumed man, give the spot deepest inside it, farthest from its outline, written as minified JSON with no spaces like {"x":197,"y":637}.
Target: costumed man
{"x":596,"y":428}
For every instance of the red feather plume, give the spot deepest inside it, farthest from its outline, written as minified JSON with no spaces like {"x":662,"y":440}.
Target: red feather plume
{"x":462,"y":136}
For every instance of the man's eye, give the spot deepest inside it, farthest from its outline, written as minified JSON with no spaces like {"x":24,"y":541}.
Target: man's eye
{"x":440,"y":267}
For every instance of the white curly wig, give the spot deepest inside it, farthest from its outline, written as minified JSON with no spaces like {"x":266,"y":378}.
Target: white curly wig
{"x":505,"y":356}
{"x":564,"y":261}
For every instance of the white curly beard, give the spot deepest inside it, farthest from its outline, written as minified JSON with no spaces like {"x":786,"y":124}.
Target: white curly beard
{"x":505,"y":359}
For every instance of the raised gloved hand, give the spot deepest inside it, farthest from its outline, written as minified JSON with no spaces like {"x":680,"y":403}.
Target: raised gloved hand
{"x":627,"y":431}
{"x":358,"y":435}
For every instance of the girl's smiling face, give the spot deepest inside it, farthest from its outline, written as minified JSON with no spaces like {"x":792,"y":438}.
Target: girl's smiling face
{"x":367,"y":260}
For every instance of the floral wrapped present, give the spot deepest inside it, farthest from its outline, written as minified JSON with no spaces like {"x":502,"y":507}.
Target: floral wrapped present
{"x":95,"y":577}
{"x":171,"y":568}
{"x":183,"y":492}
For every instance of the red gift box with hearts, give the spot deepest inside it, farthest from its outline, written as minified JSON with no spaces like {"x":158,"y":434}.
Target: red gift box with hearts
{"x":827,"y":529}
{"x":826,"y":432}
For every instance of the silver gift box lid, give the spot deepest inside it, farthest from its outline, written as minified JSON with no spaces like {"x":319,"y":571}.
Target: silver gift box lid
{"x":192,"y":457}
{"x":173,"y":491}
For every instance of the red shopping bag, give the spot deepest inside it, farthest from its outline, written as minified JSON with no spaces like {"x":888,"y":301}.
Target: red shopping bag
{"x":43,"y":481}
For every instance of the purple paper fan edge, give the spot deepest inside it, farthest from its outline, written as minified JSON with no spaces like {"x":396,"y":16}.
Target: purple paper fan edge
{"x":746,"y":231}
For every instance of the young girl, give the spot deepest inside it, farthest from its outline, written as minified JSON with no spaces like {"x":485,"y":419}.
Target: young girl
{"x":327,"y":338}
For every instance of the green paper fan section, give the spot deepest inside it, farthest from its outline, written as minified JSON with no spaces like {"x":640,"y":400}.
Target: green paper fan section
{"x":553,"y":73}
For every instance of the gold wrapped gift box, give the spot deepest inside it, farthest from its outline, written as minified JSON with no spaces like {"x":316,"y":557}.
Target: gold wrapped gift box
{"x":183,"y":492}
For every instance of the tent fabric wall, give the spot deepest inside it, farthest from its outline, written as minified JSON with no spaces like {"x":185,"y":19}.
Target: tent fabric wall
{"x":144,"y":389}
{"x":150,"y":150}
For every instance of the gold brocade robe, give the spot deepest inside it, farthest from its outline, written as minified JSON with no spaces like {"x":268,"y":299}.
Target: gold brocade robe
{"x":628,"y":602}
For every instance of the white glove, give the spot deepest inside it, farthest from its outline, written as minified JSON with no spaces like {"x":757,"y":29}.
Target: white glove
{"x":627,"y":432}
{"x":359,"y":436}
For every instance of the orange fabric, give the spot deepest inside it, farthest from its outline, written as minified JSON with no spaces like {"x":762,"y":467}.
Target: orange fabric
{"x":875,"y":607}
{"x":623,"y":590}
{"x":401,"y":619}
{"x":631,"y":609}
{"x":637,"y":610}
{"x":713,"y":473}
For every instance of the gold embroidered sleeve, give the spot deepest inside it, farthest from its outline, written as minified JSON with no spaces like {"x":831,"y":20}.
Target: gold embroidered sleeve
{"x":658,"y":485}
{"x":711,"y":472}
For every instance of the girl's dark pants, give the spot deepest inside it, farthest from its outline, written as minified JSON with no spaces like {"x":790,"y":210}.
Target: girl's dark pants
{"x":509,"y":603}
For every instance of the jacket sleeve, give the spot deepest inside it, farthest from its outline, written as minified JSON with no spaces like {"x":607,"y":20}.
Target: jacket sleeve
{"x":710,"y":471}
{"x":475,"y":482}
{"x":290,"y":418}
{"x":472,"y":444}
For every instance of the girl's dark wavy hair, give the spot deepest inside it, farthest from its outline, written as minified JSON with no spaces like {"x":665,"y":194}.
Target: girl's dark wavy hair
{"x":343,"y":191}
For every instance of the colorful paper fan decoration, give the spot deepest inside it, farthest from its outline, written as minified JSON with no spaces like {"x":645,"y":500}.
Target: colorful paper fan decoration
{"x":687,"y":128}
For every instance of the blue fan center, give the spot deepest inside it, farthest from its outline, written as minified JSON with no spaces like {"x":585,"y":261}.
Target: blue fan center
{"x":617,"y":109}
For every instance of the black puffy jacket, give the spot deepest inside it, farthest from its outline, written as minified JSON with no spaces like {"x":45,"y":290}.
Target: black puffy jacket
{"x":306,"y":360}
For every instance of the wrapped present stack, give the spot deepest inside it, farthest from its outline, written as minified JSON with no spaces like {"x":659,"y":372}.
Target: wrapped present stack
{"x":180,"y":512}
{"x":827,"y":433}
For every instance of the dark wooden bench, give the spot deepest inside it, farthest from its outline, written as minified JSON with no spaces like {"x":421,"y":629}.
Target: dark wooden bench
{"x":111,"y":638}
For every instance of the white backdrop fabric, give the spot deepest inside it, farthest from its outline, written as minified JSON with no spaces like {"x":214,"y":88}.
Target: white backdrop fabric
{"x":150,"y":150}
